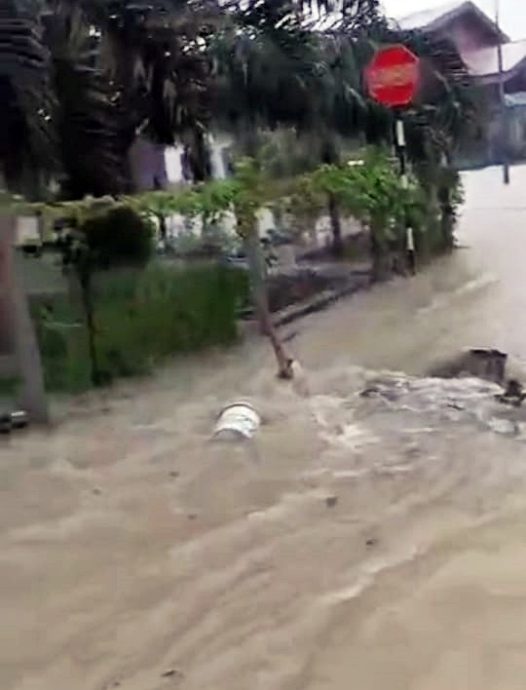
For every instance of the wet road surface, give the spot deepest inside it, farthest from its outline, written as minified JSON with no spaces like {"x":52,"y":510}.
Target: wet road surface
{"x":366,"y":542}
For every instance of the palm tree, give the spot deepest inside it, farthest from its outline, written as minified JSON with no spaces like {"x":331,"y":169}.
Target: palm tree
{"x":156,"y":55}
{"x":275,"y":70}
{"x":62,"y":115}
{"x":80,"y":78}
{"x":104,"y":70}
{"x":93,"y":130}
{"x":88,"y":75}
{"x":341,"y":108}
{"x":26,"y":98}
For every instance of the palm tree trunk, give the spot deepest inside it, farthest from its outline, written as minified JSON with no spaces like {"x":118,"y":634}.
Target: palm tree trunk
{"x":86,"y":290}
{"x":200,"y":157}
{"x":336,"y":226}
{"x":260,"y":297}
{"x":163,"y":231}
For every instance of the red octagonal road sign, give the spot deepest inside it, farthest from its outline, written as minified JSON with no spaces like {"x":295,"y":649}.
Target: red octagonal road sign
{"x":392,"y":76}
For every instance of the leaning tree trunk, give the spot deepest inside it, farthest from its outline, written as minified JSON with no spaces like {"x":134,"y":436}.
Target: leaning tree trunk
{"x":379,"y":255}
{"x":336,"y":226}
{"x":260,"y":297}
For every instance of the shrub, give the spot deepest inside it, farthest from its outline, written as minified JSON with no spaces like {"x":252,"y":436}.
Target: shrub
{"x":119,"y":236}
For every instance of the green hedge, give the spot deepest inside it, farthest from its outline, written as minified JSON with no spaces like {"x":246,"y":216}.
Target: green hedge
{"x":119,"y":237}
{"x":141,"y":319}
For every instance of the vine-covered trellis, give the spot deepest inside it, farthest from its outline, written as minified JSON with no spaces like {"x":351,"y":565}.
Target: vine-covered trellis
{"x":369,"y":189}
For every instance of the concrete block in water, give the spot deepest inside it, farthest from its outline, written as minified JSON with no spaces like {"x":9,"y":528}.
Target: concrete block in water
{"x":483,"y":363}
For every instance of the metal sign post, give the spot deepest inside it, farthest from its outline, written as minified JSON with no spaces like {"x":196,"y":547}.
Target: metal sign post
{"x":393,"y":79}
{"x":400,"y":148}
{"x":502,"y":102}
{"x":19,"y":353}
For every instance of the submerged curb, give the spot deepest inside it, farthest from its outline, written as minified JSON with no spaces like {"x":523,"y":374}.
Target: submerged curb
{"x":358,"y":281}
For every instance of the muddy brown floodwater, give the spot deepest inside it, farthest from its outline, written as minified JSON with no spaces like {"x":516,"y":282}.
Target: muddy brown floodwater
{"x":366,"y":542}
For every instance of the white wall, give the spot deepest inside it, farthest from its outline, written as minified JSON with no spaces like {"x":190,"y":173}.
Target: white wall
{"x":27,"y":230}
{"x":173,"y":164}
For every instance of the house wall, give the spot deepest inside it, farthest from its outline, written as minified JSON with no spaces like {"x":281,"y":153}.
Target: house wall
{"x":147,"y":165}
{"x":517,"y":84}
{"x":517,"y":132}
{"x":508,"y":135}
{"x":468,"y":34}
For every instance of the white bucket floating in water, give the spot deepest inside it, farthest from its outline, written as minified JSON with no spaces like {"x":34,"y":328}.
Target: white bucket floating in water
{"x":238,"y":420}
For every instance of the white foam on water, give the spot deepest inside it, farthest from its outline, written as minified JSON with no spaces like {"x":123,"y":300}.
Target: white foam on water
{"x":443,"y":301}
{"x":368,"y":575}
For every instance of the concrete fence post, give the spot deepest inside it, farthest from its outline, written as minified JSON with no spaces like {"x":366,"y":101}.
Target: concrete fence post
{"x":23,"y":357}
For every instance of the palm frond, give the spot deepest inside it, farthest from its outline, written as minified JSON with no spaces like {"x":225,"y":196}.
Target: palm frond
{"x":26,"y":100}
{"x":155,"y":52}
{"x":92,"y":125}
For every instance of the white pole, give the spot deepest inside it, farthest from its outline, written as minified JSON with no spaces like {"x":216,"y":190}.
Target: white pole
{"x":502,"y":99}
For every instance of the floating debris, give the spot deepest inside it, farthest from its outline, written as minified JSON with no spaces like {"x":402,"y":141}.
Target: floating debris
{"x":9,"y":421}
{"x":238,"y":420}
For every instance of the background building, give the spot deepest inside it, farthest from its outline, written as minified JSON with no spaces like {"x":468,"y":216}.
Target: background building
{"x":477,"y":37}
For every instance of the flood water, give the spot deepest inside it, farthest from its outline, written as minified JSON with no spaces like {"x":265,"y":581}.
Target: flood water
{"x":366,"y":542}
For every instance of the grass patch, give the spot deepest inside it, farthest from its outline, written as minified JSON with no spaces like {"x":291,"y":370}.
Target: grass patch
{"x":141,"y":318}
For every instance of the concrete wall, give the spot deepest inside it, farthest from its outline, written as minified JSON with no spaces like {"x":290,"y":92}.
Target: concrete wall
{"x":147,"y":165}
